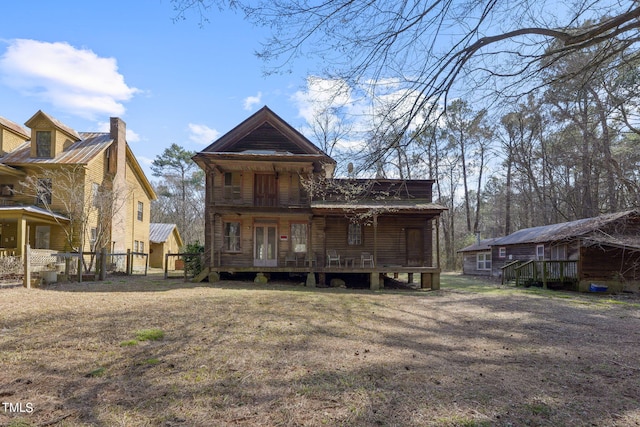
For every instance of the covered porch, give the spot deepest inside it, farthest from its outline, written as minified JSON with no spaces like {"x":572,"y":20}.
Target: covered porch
{"x":22,"y":225}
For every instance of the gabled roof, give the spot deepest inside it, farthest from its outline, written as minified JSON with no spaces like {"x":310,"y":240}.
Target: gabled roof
{"x":55,"y":122}
{"x":482,"y":245}
{"x":264,"y":132}
{"x":582,"y":228}
{"x":160,"y":232}
{"x":15,"y":128}
{"x":80,"y":152}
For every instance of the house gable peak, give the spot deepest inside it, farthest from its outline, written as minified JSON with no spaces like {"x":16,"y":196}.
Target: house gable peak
{"x":12,"y":135}
{"x":266,"y":133}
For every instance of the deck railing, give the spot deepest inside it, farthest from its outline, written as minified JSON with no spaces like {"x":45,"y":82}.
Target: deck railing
{"x":509,"y":272}
{"x":550,"y":271}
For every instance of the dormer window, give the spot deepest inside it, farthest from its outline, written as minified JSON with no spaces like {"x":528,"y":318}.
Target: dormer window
{"x":43,"y":143}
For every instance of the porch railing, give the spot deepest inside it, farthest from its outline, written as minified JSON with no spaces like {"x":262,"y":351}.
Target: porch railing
{"x":509,"y":272}
{"x":550,"y":271}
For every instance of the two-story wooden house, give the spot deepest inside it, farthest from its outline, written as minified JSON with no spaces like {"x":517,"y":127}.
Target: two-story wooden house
{"x":272,"y":205}
{"x":50,"y":172}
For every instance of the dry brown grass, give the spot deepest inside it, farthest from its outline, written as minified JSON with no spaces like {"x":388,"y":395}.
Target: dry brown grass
{"x":240,"y":354}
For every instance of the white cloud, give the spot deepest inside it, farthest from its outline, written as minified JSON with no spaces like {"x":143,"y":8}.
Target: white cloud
{"x":251,"y":101}
{"x":202,"y":134}
{"x":73,"y":80}
{"x":144,"y":161}
{"x":321,"y":95}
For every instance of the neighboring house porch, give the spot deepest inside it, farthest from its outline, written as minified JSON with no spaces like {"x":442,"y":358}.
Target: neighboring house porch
{"x":21,"y":225}
{"x":600,"y":250}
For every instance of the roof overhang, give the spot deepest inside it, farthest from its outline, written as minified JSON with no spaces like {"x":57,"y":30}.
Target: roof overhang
{"x":11,"y":171}
{"x":31,"y":213}
{"x":380,"y":207}
{"x":630,"y":243}
{"x":144,"y":182}
{"x":228,"y":161}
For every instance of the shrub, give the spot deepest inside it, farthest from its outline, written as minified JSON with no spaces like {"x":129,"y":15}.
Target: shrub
{"x":193,"y":262}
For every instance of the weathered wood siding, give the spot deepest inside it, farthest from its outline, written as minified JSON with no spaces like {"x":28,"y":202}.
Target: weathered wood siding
{"x":526,"y":252}
{"x":470,"y":264}
{"x":289,"y":189}
{"x":391,"y":239}
{"x":607,"y":263}
{"x":245,"y":256}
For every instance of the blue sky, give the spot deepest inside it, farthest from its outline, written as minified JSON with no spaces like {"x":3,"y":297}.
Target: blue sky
{"x":171,"y":82}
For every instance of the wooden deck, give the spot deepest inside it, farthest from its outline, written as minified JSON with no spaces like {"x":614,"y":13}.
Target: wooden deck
{"x":544,"y":272}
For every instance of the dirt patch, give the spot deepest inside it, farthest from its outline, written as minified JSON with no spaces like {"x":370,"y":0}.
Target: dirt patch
{"x":240,"y":354}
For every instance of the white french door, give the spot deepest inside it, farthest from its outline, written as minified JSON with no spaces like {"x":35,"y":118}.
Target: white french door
{"x":265,"y":249}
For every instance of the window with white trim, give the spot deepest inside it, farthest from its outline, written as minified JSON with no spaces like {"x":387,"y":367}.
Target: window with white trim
{"x":232,"y":237}
{"x":540,"y":252}
{"x":299,"y":237}
{"x":502,"y":252}
{"x":483,"y":261}
{"x":354,"y":234}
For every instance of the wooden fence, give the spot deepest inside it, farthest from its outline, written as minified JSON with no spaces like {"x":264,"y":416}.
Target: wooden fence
{"x":187,"y":265}
{"x":48,"y":264}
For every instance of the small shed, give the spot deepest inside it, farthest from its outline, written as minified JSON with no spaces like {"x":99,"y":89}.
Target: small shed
{"x":476,"y":258}
{"x":163,"y":239}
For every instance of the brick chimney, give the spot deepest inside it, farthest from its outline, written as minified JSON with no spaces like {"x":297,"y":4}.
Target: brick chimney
{"x":118,"y":132}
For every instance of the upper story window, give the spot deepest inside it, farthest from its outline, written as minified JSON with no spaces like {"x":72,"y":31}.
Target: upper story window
{"x":43,"y":143}
{"x":6,"y":189}
{"x":265,"y":190}
{"x":44,"y":191}
{"x":231,"y":186}
{"x":502,"y":252}
{"x":140,"y":211}
{"x":297,"y":193}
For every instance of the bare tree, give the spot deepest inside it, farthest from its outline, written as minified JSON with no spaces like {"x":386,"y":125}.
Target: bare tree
{"x":89,"y":211}
{"x":432,"y":47}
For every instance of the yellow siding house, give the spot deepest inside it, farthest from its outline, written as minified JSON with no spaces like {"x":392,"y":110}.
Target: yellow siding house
{"x":62,"y":189}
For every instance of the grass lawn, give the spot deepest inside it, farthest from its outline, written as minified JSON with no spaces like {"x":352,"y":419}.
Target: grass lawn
{"x":155,"y":352}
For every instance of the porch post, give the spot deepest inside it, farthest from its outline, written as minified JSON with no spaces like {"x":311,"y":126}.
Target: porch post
{"x":375,"y":240}
{"x":22,"y":238}
{"x":437,"y":243}
{"x":26,"y":258}
{"x":310,"y":241}
{"x":212,"y":239}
